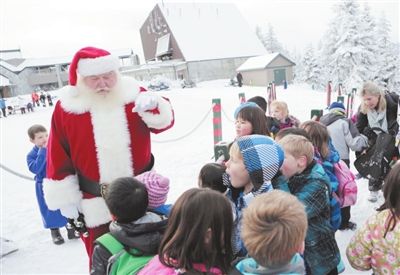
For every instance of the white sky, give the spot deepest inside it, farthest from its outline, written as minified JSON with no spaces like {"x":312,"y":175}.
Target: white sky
{"x":45,"y":28}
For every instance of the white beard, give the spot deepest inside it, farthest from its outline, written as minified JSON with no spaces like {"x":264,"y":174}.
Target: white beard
{"x":97,"y":100}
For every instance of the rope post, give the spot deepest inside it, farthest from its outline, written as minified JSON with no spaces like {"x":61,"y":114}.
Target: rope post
{"x":340,"y":98}
{"x":340,"y":90}
{"x":328,"y":94}
{"x":269,"y":98}
{"x":353,"y":92}
{"x":217,"y":122}
{"x":273,"y":91}
{"x":242,"y":98}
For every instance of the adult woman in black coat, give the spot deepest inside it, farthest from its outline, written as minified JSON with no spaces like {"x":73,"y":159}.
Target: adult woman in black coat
{"x":377,"y":110}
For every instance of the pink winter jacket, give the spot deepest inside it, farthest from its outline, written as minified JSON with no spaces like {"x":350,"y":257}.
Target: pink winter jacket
{"x":368,"y":249}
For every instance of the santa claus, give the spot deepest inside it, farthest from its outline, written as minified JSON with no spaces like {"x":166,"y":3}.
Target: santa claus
{"x":100,"y":130}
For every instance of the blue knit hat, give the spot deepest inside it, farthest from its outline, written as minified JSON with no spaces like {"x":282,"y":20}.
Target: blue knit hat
{"x":243,"y":105}
{"x":262,"y":157}
{"x":337,"y":107}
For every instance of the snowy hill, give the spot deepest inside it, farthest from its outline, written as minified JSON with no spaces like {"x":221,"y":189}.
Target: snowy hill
{"x":178,"y":157}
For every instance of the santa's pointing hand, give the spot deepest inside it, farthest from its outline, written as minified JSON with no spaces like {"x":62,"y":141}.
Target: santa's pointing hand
{"x":145,"y":101}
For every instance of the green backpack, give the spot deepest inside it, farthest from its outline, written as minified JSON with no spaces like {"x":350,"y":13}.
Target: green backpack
{"x":122,"y":262}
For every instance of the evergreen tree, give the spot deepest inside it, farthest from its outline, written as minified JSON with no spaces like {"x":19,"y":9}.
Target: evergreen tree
{"x":388,"y":63}
{"x":311,"y":73}
{"x":271,"y":42}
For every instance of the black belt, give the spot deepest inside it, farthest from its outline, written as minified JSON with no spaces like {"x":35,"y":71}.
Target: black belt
{"x":95,"y":188}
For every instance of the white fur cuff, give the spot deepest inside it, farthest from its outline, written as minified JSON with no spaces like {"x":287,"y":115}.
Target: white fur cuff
{"x":96,"y":66}
{"x":59,"y":193}
{"x":95,"y":211}
{"x":161,"y":120}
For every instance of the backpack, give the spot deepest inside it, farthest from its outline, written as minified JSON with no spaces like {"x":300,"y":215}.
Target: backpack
{"x":122,"y":261}
{"x":347,"y":190}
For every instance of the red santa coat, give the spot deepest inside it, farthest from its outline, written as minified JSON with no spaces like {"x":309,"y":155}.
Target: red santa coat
{"x":101,"y":141}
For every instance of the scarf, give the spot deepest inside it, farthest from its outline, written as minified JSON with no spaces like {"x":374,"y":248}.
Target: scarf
{"x":378,"y":120}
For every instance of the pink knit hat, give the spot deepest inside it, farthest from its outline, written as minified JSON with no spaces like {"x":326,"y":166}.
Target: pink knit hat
{"x":157,"y":188}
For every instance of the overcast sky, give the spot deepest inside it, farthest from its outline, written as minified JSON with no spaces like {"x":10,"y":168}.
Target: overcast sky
{"x":45,"y":28}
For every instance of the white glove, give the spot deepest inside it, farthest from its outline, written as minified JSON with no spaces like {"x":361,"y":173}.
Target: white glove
{"x":70,"y":211}
{"x":145,"y":101}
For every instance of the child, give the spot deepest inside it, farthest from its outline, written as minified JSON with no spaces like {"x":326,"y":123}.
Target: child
{"x":250,"y":119}
{"x":377,"y":244}
{"x":211,"y":176}
{"x":198,"y":236}
{"x":132,"y":226}
{"x":36,"y":160}
{"x":280,"y":111}
{"x":326,"y":155}
{"x":157,"y":189}
{"x":254,"y":161}
{"x":274,"y":229}
{"x":307,"y":180}
{"x":291,"y":131}
{"x":344,"y":135}
{"x":343,"y":132}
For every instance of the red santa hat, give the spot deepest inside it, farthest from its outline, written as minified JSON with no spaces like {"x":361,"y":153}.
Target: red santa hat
{"x":91,"y":61}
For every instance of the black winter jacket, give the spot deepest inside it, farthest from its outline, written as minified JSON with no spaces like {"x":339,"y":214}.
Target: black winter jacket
{"x":144,"y":235}
{"x":392,"y":101}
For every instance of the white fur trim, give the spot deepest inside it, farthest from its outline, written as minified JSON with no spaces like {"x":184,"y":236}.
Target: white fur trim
{"x":59,"y":193}
{"x":96,"y":66}
{"x":161,"y":120}
{"x":78,"y":100}
{"x":112,"y":141}
{"x":95,"y":211}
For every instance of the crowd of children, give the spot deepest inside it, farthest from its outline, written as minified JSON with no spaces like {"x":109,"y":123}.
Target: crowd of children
{"x":235,"y":222}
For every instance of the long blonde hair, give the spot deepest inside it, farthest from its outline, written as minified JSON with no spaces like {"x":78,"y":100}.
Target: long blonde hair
{"x":371,"y":89}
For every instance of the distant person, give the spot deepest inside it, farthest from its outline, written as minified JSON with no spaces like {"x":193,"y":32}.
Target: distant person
{"x":36,"y":161}
{"x":43,"y":99}
{"x":3,"y":107}
{"x":274,"y":229}
{"x":239,"y":78}
{"x":49,"y":99}
{"x":35,"y":99}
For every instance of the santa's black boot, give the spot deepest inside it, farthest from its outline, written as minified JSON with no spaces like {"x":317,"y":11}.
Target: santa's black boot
{"x":56,"y":236}
{"x":72,"y":234}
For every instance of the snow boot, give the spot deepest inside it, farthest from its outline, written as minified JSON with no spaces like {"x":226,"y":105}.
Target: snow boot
{"x":72,"y":234}
{"x":373,"y":196}
{"x":56,"y":236}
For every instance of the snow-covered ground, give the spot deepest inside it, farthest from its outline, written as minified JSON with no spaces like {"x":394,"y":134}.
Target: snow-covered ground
{"x":178,"y":156}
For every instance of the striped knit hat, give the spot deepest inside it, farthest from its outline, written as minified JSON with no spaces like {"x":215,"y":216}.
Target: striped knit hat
{"x":157,"y":188}
{"x":262,"y":158}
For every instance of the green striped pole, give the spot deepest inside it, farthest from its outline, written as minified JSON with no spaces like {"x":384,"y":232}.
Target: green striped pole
{"x":242,"y":98}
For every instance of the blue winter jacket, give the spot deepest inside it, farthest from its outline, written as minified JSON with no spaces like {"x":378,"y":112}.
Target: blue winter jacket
{"x":295,"y":267}
{"x":312,"y":188}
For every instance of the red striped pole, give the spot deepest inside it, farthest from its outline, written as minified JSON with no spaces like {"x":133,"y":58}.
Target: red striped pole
{"x":340,"y":89}
{"x":217,"y":122}
{"x":242,"y":98}
{"x":348,"y":106}
{"x":273,"y":91}
{"x":328,"y":94}
{"x":353,"y":92}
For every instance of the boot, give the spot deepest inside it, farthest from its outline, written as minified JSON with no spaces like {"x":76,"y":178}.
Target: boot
{"x":71,"y":234}
{"x":56,"y":236}
{"x":373,"y":196}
